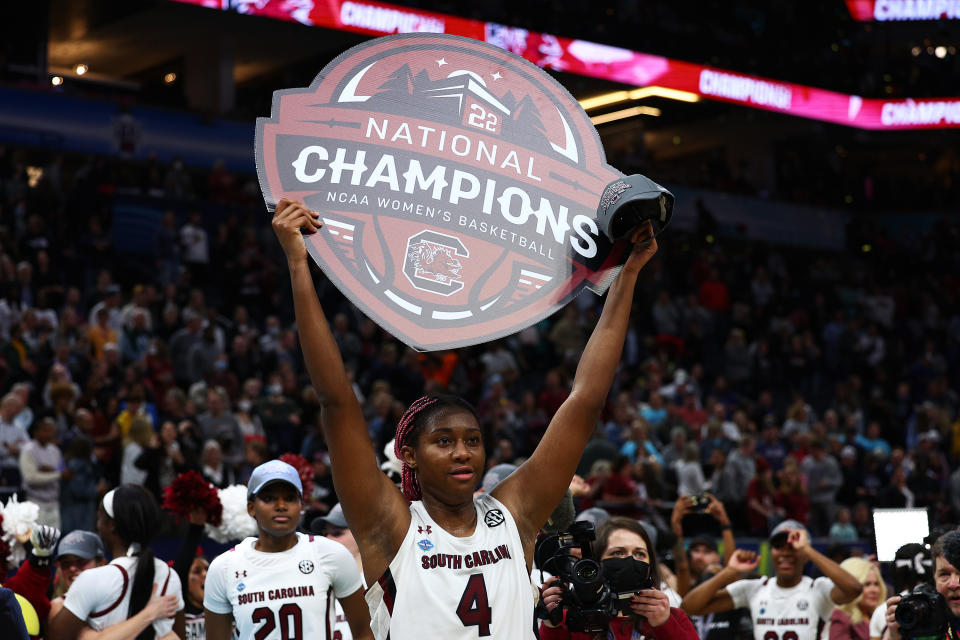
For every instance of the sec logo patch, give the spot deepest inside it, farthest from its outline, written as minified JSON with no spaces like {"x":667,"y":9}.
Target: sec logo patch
{"x":306,"y":566}
{"x":457,"y":184}
{"x":493,"y":518}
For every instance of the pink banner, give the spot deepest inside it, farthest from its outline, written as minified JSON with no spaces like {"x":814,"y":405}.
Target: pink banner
{"x":631,"y":67}
{"x":903,"y":10}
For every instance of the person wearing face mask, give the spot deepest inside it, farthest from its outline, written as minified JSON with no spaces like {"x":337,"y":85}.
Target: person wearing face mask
{"x":623,"y":540}
{"x":790,"y":606}
{"x":249,"y":422}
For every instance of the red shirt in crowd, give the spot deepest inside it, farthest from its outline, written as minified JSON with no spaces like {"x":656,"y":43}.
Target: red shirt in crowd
{"x":677,"y":627}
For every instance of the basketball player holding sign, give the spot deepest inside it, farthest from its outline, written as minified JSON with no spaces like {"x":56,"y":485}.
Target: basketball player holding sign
{"x":281,"y":585}
{"x":441,"y":564}
{"x":791,"y":606}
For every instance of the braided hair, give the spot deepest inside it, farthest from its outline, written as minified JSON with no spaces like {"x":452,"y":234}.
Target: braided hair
{"x":411,"y":424}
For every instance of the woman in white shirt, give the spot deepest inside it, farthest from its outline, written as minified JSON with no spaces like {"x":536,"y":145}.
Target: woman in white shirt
{"x":140,"y":435}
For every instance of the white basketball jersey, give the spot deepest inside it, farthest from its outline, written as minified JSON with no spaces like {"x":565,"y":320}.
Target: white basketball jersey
{"x":101,"y":596}
{"x":282,"y":596}
{"x":442,"y":586}
{"x":797,"y":613}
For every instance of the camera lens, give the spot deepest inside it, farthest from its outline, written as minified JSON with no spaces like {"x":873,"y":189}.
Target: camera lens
{"x":588,"y":572}
{"x":909,"y":614}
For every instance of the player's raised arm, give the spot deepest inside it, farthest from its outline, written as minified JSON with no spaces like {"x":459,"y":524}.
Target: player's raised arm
{"x":532,"y":492}
{"x":374,"y":508}
{"x":712,"y":596}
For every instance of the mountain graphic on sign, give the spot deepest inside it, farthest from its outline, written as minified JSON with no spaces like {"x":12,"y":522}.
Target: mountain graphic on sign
{"x":443,"y":101}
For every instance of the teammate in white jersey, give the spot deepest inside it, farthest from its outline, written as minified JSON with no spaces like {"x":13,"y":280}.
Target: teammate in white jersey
{"x":440,"y":564}
{"x":128,"y":594}
{"x":790,"y":606}
{"x":281,"y":585}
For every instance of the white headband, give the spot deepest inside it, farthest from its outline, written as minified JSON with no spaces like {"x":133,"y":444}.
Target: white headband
{"x":108,"y":502}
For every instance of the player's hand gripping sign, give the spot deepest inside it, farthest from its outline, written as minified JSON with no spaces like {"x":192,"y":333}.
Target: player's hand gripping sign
{"x":464,"y":193}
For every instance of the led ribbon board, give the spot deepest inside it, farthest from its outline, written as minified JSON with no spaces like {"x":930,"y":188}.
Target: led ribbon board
{"x":622,"y":65}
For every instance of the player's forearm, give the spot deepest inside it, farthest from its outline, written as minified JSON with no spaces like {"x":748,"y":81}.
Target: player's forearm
{"x":698,"y":598}
{"x":598,"y":364}
{"x":729,"y":544}
{"x":126,"y":630}
{"x":842,"y":579}
{"x":320,"y":352}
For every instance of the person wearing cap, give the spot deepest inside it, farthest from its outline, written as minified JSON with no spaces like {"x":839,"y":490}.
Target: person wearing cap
{"x":135,"y":590}
{"x":77,"y":552}
{"x":702,"y":550}
{"x":440,"y":443}
{"x":281,"y":583}
{"x":333,"y":526}
{"x":790,"y":606}
{"x":701,"y":560}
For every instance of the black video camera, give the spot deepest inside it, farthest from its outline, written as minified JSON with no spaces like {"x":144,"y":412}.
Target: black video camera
{"x":922,"y":613}
{"x":592,"y":593}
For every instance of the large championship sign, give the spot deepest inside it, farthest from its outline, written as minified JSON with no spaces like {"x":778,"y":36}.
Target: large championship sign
{"x":458,"y":185}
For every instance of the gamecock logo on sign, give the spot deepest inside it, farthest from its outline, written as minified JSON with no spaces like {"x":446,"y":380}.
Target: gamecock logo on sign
{"x":457,"y":183}
{"x":433,"y":262}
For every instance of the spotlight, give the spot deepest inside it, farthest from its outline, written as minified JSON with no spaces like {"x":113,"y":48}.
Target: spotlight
{"x":170,"y":78}
{"x":56,"y":81}
{"x":81,"y":69}
{"x":915,"y":51}
{"x":940,"y":52}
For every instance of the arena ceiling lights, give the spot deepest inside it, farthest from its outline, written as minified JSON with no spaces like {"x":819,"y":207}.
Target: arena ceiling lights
{"x":632,"y":67}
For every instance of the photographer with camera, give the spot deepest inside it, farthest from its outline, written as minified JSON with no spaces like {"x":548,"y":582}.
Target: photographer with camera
{"x":789,"y":607}
{"x":615,"y":595}
{"x":912,"y":566}
{"x":701,"y":561}
{"x":691,"y":562}
{"x":930,"y":612}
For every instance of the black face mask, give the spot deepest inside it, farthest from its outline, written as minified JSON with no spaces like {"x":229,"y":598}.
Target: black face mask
{"x":628,"y":575}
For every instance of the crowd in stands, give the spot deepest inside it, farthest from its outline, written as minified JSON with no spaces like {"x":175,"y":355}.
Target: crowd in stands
{"x":790,"y":384}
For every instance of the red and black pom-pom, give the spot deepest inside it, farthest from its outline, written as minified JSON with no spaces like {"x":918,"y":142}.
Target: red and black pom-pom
{"x":191,"y":491}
